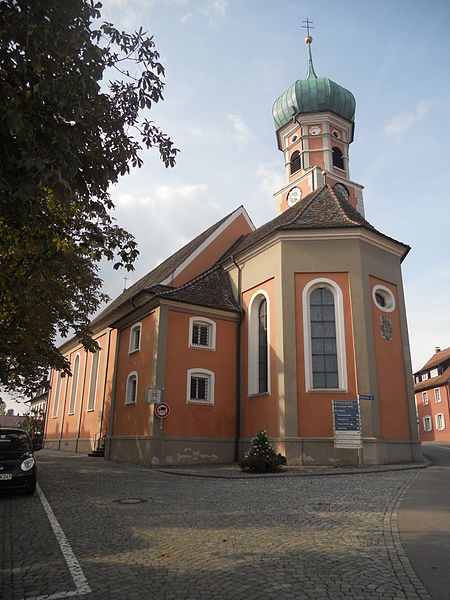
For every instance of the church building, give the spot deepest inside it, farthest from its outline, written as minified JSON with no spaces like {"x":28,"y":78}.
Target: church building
{"x":247,"y":329}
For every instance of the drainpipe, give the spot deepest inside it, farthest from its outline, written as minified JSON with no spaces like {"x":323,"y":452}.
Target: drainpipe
{"x":238,"y":369}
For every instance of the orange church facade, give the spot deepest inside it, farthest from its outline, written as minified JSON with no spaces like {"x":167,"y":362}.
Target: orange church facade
{"x":245,"y":329}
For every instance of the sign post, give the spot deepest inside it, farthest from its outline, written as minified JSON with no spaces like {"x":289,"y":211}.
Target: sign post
{"x":347,"y":427}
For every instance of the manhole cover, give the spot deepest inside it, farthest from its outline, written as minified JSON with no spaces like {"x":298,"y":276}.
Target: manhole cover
{"x":130,"y":500}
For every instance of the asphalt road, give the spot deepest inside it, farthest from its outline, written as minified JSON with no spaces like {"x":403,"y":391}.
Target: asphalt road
{"x":424,"y":522}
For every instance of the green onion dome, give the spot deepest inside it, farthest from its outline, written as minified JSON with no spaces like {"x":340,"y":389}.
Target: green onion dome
{"x":313,"y":94}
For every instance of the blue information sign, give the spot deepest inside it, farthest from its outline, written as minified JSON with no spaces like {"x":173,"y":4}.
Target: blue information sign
{"x":346,"y":415}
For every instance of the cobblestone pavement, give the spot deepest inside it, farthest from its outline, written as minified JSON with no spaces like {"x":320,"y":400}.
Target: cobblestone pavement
{"x":139,"y":533}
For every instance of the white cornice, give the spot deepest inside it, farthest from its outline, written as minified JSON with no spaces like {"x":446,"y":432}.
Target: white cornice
{"x":372,"y":238}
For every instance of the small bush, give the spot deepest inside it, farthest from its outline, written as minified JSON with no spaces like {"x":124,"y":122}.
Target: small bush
{"x":261,"y":457}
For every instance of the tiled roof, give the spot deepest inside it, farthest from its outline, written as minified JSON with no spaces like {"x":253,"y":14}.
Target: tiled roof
{"x":212,"y":288}
{"x":433,"y":381}
{"x":322,"y":209}
{"x":436,"y":359}
{"x":11,"y":420}
{"x":160,"y":273}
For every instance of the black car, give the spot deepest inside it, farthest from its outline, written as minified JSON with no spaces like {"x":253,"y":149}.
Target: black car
{"x":17,"y":462}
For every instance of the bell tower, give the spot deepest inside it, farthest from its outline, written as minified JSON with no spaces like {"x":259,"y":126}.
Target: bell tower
{"x":314,"y":120}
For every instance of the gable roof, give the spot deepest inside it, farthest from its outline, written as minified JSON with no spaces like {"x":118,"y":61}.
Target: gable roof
{"x":435,"y":360}
{"x":322,"y":209}
{"x":163,"y":271}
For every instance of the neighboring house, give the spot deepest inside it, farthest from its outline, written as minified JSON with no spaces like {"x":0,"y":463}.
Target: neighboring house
{"x":11,"y":420}
{"x":38,"y":402}
{"x":431,"y":386}
{"x":247,"y":329}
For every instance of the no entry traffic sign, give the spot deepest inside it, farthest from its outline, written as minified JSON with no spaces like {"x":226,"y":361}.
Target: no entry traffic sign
{"x":162,"y":410}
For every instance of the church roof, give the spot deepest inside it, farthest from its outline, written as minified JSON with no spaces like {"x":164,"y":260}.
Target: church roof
{"x":159,"y":273}
{"x":322,"y":209}
{"x":212,"y":289}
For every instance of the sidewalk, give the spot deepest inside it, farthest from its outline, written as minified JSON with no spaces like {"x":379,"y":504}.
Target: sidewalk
{"x":232,"y":471}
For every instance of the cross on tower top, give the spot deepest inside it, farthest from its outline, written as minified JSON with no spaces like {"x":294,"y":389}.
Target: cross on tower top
{"x":308,"y":26}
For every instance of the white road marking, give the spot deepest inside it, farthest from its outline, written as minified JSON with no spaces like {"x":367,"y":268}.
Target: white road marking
{"x":443,"y":447}
{"x":74,"y":566}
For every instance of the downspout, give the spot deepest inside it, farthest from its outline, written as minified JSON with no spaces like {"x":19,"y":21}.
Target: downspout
{"x":238,"y":368}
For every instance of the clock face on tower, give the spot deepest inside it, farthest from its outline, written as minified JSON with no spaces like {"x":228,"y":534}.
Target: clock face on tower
{"x":341,"y":191}
{"x":294,"y":196}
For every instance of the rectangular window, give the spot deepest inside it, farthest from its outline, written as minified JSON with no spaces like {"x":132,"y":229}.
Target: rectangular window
{"x":434,"y":372}
{"x":425,"y":398}
{"x":386,"y":328}
{"x":199,"y":389}
{"x":201,"y":334}
{"x":440,"y":421}
{"x":427,"y":423}
{"x":437,"y":395}
{"x":424,"y":376}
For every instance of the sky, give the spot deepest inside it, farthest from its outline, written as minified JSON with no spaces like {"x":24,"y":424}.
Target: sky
{"x":226,"y":63}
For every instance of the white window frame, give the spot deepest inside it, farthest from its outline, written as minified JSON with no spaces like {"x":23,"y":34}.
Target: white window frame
{"x":56,"y":396}
{"x":212,"y":333}
{"x":200,"y":373}
{"x":425,"y":398}
{"x":253,"y":343}
{"x":127,"y":388}
{"x":387,"y":295}
{"x":340,"y":333}
{"x":93,"y":392}
{"x":427,"y":423}
{"x":132,"y":346}
{"x":437,"y":395}
{"x":439,"y":417}
{"x":74,"y":385}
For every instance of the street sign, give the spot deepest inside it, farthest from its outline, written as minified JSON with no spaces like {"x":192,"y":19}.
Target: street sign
{"x":162,"y":410}
{"x":346,"y":424}
{"x":365,"y":397}
{"x":154,"y":395}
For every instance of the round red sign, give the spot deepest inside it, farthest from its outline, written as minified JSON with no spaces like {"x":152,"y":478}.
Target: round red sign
{"x":162,"y":410}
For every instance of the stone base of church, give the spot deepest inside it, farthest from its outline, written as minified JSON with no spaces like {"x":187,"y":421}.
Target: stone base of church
{"x":155,"y":451}
{"x":80,"y":445}
{"x":320,"y":451}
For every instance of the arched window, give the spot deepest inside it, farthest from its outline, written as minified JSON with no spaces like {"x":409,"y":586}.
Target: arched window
{"x":323,"y":327}
{"x":202,"y":333}
{"x":258,"y":344}
{"x":200,"y":386}
{"x":132,"y":386}
{"x":295,"y":162}
{"x":93,"y":380}
{"x":262,"y":346}
{"x":135,"y":338}
{"x":56,"y":397}
{"x":338,"y":158}
{"x":73,"y":394}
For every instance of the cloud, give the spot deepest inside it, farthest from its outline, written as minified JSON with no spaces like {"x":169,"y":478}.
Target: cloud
{"x":215,"y":8}
{"x":271,"y":179}
{"x":185,"y":18}
{"x":399,"y":124}
{"x":241,"y":131}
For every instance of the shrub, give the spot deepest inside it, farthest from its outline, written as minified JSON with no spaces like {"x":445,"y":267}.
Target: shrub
{"x":261,"y":457}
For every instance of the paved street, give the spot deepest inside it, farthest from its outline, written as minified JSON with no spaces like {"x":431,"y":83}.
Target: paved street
{"x":424,"y":521}
{"x":129,"y":532}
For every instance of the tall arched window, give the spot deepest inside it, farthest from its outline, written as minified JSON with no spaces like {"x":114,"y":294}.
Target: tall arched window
{"x":73,"y":394}
{"x":258,"y":344}
{"x":295,"y":162}
{"x":56,"y":397}
{"x":324,"y":337}
{"x":262,"y":346}
{"x":338,"y":158}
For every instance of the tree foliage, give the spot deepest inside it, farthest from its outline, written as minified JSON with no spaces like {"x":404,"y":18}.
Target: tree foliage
{"x":66,"y":135}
